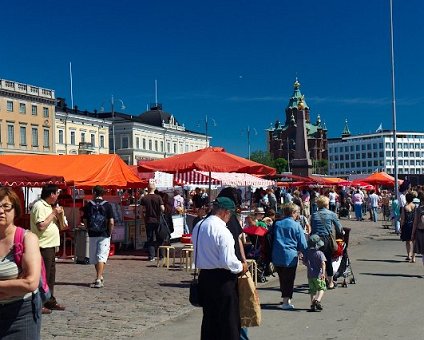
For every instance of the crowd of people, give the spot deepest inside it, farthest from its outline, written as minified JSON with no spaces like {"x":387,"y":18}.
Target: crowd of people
{"x":299,"y":224}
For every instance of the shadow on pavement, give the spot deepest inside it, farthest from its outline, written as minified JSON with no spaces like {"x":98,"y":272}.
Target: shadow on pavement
{"x":183,"y":284}
{"x":377,"y":260}
{"x":80,"y":284}
{"x":393,"y":275}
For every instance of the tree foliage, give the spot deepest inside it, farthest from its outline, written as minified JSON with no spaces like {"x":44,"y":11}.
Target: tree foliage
{"x":265,"y":158}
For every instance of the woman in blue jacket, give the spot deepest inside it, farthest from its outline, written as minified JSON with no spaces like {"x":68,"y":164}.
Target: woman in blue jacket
{"x":289,"y":240}
{"x":322,"y":223}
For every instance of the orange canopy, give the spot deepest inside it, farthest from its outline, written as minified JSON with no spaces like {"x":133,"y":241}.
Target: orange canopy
{"x":379,"y":178}
{"x":209,"y":159}
{"x":83,"y":171}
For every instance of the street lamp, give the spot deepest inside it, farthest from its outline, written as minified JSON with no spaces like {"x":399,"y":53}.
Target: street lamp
{"x":392,"y":54}
{"x":112,"y":103}
{"x":248,"y":139}
{"x":206,"y":128}
{"x":288,"y":141}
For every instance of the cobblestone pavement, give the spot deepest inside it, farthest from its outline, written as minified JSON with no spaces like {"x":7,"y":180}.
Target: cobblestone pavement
{"x":137,"y":295}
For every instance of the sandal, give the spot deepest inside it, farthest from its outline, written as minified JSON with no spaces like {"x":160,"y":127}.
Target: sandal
{"x":333,"y":287}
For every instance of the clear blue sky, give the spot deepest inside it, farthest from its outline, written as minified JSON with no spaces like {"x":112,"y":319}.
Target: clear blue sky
{"x":232,"y":60}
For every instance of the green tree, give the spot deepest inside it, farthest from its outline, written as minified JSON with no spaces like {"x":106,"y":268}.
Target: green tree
{"x":281,"y":165}
{"x":262,"y":157}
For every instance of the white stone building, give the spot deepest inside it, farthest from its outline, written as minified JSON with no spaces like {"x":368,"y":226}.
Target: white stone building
{"x":368,"y":153}
{"x":153,"y":134}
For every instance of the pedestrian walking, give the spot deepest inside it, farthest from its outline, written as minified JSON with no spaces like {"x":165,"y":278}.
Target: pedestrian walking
{"x":219,"y":268}
{"x":315,"y":260}
{"x":98,"y":218}
{"x":152,"y":205}
{"x":289,"y":240}
{"x":20,"y":302}
{"x":322,"y":222}
{"x":46,"y":216}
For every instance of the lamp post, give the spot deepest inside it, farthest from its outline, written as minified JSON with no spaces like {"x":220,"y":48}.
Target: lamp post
{"x":248,"y":140}
{"x":112,"y":104}
{"x":392,"y":55}
{"x":206,"y":128}
{"x":288,"y":140}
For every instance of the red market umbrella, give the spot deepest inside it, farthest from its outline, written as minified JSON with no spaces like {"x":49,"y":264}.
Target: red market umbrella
{"x":379,"y":178}
{"x":10,"y":176}
{"x":208,"y":159}
{"x":255,"y":231}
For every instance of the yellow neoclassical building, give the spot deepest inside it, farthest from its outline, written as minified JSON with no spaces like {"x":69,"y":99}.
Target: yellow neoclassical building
{"x":80,"y":132}
{"x":26,"y":118}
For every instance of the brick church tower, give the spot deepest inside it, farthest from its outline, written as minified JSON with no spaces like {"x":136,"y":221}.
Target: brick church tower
{"x":282,"y":139}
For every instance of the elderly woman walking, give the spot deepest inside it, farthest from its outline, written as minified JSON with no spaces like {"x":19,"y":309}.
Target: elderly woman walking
{"x":289,"y":240}
{"x":322,"y":223}
{"x":20,"y":302}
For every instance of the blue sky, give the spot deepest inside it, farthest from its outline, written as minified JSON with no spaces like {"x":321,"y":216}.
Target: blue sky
{"x":232,"y":60}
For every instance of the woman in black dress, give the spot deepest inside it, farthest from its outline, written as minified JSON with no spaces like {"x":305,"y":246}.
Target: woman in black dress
{"x":406,"y":222}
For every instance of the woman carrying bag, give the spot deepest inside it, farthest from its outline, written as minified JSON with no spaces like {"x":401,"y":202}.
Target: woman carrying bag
{"x":322,"y":222}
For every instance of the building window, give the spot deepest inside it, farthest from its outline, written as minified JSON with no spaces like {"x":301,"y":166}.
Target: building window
{"x":168,"y":147}
{"x":82,"y":137}
{"x":144,"y":143}
{"x":9,"y":105}
{"x":156,"y":145}
{"x":161,"y":146}
{"x":34,"y":136}
{"x":45,"y":112}
{"x":137,"y":142}
{"x":102,"y":141}
{"x":60,"y":136}
{"x":22,"y":108}
{"x":46,"y":138}
{"x":150,"y":144}
{"x":34,"y":110}
{"x":175,"y":147}
{"x":10,"y":135}
{"x":73,"y":138}
{"x":124,"y":142}
{"x":93,"y":140}
{"x":22,"y":130}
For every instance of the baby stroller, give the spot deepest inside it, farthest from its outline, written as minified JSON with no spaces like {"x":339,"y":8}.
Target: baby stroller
{"x":256,"y":250}
{"x":342,"y":267}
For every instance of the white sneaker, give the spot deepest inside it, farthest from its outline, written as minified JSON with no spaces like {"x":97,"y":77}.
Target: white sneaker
{"x":286,"y":306}
{"x":97,"y":284}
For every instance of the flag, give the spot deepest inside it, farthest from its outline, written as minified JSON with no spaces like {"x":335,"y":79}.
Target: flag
{"x":380,"y":128}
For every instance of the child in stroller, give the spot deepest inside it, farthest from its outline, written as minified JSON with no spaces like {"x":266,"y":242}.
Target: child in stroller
{"x":342,"y":267}
{"x":257,"y":249}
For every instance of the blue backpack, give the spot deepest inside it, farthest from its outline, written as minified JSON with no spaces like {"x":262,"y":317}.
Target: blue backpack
{"x":97,"y":217}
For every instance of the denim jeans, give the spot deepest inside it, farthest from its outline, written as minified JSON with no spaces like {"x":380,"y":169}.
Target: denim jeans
{"x":244,"y":334}
{"x":374,"y":213}
{"x":358,"y":211}
{"x":21,"y":319}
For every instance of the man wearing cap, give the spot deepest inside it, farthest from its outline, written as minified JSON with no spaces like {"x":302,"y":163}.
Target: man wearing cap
{"x":219,"y":267}
{"x":98,"y":218}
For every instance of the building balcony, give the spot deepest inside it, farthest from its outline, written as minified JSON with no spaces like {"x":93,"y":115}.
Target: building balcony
{"x":85,"y":148}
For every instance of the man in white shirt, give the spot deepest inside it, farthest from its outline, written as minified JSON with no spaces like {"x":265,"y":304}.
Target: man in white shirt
{"x":215,"y":256}
{"x":374,"y":203}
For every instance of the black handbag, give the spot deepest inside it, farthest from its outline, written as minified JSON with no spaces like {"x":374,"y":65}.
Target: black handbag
{"x":194,"y":296}
{"x":163,"y":229}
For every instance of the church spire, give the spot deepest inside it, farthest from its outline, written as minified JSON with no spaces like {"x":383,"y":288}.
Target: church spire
{"x":346,"y":131}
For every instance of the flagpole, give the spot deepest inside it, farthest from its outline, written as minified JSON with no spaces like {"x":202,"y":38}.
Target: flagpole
{"x":392,"y":54}
{"x":72,"y":91}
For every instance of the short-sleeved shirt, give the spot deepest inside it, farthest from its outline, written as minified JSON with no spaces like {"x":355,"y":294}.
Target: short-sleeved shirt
{"x":49,"y":237}
{"x":314,"y":259}
{"x":151,"y":204}
{"x":108,"y":213}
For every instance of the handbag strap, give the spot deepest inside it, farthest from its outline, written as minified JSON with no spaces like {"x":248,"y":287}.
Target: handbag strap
{"x":197,"y":244}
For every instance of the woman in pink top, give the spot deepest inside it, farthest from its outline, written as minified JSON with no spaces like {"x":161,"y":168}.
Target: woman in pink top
{"x":357,"y":201}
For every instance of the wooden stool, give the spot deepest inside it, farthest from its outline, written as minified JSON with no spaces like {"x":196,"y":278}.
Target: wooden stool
{"x":166,"y":258}
{"x":253,"y":269}
{"x":187,"y":258}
